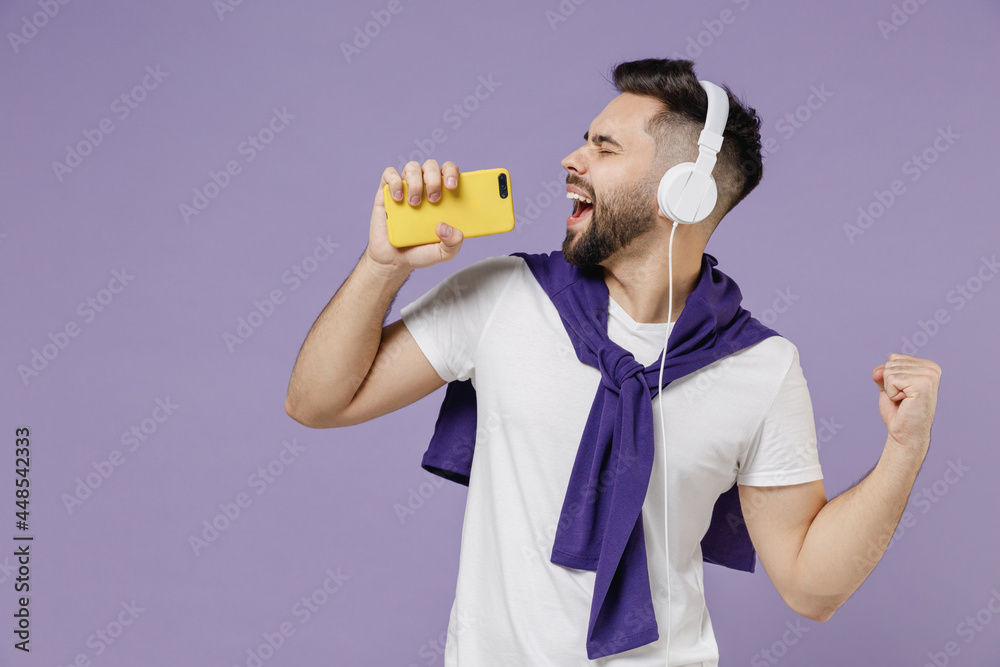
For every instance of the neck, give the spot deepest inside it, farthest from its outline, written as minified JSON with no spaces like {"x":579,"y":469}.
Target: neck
{"x":638,"y":276}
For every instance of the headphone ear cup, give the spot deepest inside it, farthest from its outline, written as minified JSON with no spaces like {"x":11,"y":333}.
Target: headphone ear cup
{"x":686,"y":196}
{"x":671,"y":189}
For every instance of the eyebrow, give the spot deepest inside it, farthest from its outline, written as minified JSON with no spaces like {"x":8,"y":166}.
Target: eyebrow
{"x":603,"y":139}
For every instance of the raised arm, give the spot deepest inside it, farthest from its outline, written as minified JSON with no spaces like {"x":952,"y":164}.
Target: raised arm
{"x":351,"y":368}
{"x":817,"y":553}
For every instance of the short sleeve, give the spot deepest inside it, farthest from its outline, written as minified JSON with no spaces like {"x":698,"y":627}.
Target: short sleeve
{"x":448,"y":320}
{"x":783,"y":449}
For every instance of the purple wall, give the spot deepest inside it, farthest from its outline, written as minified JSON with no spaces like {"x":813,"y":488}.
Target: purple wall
{"x":155,"y":98}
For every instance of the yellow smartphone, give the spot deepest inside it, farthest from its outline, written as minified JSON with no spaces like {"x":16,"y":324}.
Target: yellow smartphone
{"x":481,"y":204}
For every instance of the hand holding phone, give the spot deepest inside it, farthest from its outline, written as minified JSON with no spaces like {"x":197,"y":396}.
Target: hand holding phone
{"x":435,"y":179}
{"x":480,"y":205}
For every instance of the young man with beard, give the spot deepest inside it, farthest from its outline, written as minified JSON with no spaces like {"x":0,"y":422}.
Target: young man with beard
{"x":535,"y":543}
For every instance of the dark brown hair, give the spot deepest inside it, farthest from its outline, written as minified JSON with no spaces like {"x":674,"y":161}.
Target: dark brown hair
{"x":739,"y":167}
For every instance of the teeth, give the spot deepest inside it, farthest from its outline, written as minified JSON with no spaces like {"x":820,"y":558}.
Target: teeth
{"x":573,"y":195}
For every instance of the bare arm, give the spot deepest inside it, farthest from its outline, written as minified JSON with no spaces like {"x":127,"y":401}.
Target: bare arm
{"x":818,"y":553}
{"x":342,"y":375}
{"x":341,"y":346}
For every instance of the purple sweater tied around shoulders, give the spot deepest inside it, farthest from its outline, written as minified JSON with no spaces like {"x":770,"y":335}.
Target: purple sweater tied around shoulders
{"x":606,"y":534}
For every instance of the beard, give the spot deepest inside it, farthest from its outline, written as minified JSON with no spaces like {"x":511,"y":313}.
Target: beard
{"x":616,"y":219}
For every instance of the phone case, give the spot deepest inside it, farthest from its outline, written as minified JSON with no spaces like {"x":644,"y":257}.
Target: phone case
{"x":479,"y":206}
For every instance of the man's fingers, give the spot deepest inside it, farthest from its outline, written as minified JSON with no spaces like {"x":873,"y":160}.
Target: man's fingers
{"x":894,"y":391}
{"x":451,"y":244}
{"x":905,"y":376}
{"x":892,"y":379}
{"x":392,"y":178}
{"x":414,"y":181}
{"x":432,"y":179}
{"x":879,"y":376}
{"x":450,"y":172}
{"x":420,"y":180}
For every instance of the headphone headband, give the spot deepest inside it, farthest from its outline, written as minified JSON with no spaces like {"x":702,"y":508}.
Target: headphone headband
{"x":710,"y":139}
{"x":718,"y":111}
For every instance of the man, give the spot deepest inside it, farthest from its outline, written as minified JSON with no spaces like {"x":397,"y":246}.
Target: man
{"x":746,"y":418}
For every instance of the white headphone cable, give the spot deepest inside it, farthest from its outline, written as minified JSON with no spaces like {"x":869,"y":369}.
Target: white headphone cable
{"x":663,"y":431}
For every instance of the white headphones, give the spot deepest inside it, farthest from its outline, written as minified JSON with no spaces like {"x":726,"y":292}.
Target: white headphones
{"x":687,"y":192}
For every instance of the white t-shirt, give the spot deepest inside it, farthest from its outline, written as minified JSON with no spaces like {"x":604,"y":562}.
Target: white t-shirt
{"x":746,"y":418}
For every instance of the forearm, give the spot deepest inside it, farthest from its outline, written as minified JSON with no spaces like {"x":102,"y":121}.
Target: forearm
{"x":341,"y":345}
{"x":850,"y":534}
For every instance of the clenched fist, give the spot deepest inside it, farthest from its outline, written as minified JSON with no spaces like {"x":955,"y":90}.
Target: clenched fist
{"x":907,"y":399}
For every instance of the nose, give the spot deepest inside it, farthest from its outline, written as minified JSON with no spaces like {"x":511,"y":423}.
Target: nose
{"x":575,"y":162}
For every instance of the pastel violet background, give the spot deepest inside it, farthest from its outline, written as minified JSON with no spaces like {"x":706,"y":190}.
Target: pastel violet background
{"x":847,"y":103}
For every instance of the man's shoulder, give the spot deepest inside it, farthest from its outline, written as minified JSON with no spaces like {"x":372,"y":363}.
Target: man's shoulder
{"x":485,"y":278}
{"x":503,"y":268}
{"x":776,"y":349}
{"x":751,"y":377}
{"x":522,"y":258}
{"x":499,"y":263}
{"x":768,"y":360}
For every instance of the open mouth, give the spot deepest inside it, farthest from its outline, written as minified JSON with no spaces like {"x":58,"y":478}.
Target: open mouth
{"x":581,"y":206}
